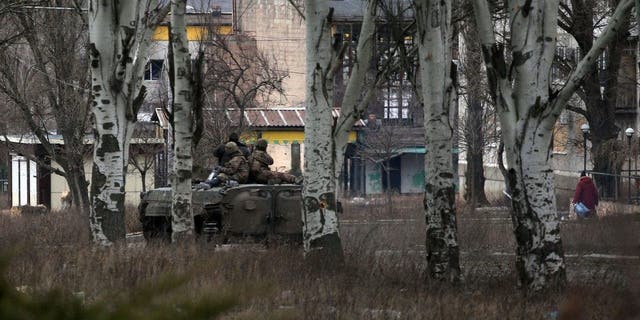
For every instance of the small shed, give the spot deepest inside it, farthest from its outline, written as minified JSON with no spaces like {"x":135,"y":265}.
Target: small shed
{"x":32,"y":183}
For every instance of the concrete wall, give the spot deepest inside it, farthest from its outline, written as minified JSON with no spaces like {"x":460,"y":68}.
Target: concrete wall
{"x":280,"y":32}
{"x":565,"y":183}
{"x":158,"y":90}
{"x":281,"y":154}
{"x":280,"y":147}
{"x":412,"y":178}
{"x":494,"y":183}
{"x":412,"y":174}
{"x":373,"y":178}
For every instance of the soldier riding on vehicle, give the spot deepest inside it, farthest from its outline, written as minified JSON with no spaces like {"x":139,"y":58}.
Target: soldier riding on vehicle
{"x":226,"y":208}
{"x":236,"y":169}
{"x":259,"y":163}
{"x":223,"y":157}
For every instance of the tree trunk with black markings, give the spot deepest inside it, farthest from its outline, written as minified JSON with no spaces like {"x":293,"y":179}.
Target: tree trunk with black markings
{"x":528,"y":109}
{"x":321,"y":237}
{"x":434,"y":31}
{"x":120,"y":34}
{"x":326,"y":138}
{"x":181,"y":209}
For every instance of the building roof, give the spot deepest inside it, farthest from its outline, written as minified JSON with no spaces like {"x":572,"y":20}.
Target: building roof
{"x":56,"y":139}
{"x":199,"y":6}
{"x":353,"y":10}
{"x":161,"y":118}
{"x":344,"y":9}
{"x":290,"y":117}
{"x":277,"y":117}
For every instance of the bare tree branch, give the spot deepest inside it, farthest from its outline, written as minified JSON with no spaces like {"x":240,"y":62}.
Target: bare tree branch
{"x":577,"y":110}
{"x":297,"y":7}
{"x":584,"y":66}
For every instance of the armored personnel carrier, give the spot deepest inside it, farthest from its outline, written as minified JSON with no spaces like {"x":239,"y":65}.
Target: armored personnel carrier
{"x":247,"y":212}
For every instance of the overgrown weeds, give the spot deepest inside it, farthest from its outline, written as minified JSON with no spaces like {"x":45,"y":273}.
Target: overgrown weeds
{"x":383,"y":277}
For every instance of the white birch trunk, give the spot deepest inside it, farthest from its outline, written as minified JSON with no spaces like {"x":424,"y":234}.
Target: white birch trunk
{"x":434,"y":32}
{"x":320,"y":232}
{"x":119,"y":35}
{"x":354,"y":102}
{"x":325,"y":143}
{"x":181,"y":210}
{"x":527,"y":115}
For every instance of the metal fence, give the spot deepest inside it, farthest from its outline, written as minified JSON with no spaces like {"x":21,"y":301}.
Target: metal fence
{"x":618,"y":187}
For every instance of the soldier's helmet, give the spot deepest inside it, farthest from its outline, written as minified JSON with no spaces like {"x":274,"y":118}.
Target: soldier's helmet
{"x":231,"y":147}
{"x":261,"y":144}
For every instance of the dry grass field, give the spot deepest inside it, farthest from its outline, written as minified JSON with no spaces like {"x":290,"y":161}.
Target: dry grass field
{"x":382,"y":277}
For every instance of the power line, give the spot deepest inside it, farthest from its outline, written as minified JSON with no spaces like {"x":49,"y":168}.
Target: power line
{"x":30,"y":66}
{"x":54,"y":8}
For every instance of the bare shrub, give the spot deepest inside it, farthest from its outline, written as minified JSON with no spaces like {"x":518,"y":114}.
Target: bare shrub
{"x":132,"y":219}
{"x":55,"y":228}
{"x":382,"y":278}
{"x":4,"y":200}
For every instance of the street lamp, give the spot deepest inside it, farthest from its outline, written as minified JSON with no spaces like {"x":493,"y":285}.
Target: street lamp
{"x":629,"y":133}
{"x":585,"y":132}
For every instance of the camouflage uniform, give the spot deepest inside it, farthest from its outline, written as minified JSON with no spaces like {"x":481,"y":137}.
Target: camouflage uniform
{"x":223,"y":157}
{"x":260,"y":161}
{"x":235,"y":169}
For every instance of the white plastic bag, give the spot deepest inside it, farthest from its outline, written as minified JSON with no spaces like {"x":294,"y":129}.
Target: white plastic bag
{"x":581,"y":210}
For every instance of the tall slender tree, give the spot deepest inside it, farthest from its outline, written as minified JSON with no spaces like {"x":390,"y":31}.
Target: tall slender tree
{"x":437,"y":73}
{"x":528,"y":108}
{"x":181,"y":210}
{"x":326,"y":138}
{"x":476,"y":129}
{"x":319,"y":189}
{"x":120,"y":34}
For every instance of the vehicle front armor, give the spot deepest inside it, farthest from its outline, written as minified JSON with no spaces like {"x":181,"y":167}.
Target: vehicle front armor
{"x":249,"y":212}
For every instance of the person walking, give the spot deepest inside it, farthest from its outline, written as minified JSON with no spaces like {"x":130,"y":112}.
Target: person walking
{"x":585,"y":198}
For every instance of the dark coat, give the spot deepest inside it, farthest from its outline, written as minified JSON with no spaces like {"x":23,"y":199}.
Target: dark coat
{"x":223,"y":157}
{"x":586,"y":193}
{"x":237,"y":168}
{"x":259,"y":169}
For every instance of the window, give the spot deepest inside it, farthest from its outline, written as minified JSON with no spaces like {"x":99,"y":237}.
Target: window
{"x":348,"y":35}
{"x":153,"y":70}
{"x":396,"y":97}
{"x":397,"y":92}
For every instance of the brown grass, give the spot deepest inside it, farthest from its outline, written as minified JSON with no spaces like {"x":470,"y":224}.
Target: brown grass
{"x":131,"y":219}
{"x":383,"y":277}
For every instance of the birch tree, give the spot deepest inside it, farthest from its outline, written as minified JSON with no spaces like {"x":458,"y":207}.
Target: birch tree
{"x":434,"y":32}
{"x":120,"y":34}
{"x":181,"y":210}
{"x":528,"y":108}
{"x":325,"y":137}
